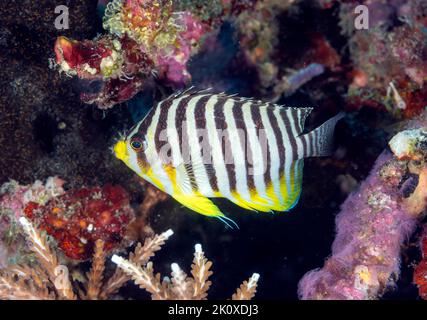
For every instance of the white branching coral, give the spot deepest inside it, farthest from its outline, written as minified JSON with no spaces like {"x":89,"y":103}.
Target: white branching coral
{"x":180,"y":286}
{"x":49,"y":280}
{"x":247,"y":289}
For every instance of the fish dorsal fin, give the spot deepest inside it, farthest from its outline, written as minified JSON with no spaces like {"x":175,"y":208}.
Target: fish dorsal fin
{"x":297,"y":115}
{"x":191,"y":91}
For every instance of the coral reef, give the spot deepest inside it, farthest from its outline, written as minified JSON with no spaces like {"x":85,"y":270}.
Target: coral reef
{"x":154,"y":40}
{"x":146,"y":40}
{"x":282,"y":71}
{"x":74,"y":218}
{"x":389,"y":57}
{"x":14,"y":198}
{"x":373,"y":224}
{"x":294,"y":52}
{"x":51,"y":280}
{"x":78,"y":218}
{"x":180,"y":286}
{"x":36,"y":102}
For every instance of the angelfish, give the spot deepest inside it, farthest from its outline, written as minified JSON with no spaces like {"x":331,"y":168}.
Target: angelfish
{"x":196,"y":145}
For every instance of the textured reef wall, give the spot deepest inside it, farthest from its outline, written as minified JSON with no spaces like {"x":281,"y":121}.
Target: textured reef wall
{"x":374,"y":223}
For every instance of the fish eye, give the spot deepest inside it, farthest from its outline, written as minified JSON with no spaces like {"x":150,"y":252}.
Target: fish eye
{"x":136,"y":144}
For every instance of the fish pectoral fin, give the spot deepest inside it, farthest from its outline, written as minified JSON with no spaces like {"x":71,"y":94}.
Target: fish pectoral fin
{"x":199,"y":204}
{"x":186,"y":174}
{"x":198,"y":168}
{"x":183,"y":179}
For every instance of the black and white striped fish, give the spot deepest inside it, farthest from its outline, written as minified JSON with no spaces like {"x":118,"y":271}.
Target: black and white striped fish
{"x":197,"y":145}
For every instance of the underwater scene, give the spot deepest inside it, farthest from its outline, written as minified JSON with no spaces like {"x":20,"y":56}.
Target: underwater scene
{"x":216,"y":149}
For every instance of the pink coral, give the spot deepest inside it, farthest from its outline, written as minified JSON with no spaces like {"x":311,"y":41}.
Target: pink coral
{"x":420,"y":273}
{"x":146,"y":38}
{"x":13,"y":199}
{"x":172,"y":61}
{"x":373,"y":224}
{"x":371,"y":228}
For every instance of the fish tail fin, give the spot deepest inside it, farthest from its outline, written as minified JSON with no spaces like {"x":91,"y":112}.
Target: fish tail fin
{"x":319,"y":142}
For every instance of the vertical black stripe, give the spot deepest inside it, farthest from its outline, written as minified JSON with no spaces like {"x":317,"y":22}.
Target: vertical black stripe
{"x":296,"y":119}
{"x":279,"y":140}
{"x":204,"y":143}
{"x":181,"y":128}
{"x":146,"y":122}
{"x":223,"y":134}
{"x":304,"y":146}
{"x":160,"y":137}
{"x":200,"y":106}
{"x":262,"y":138}
{"x":244,"y":142}
{"x":291,"y":136}
{"x":296,"y":116}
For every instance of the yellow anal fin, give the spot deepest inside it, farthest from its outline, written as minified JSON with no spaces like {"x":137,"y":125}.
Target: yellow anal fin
{"x":238,"y":200}
{"x":198,"y":203}
{"x":292,"y":195}
{"x":275,"y":203}
{"x":257,"y":202}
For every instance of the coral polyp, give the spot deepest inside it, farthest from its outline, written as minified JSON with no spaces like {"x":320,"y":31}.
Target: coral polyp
{"x":80,"y":217}
{"x":146,"y":22}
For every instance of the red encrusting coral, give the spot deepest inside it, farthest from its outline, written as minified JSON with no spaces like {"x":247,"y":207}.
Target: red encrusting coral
{"x":146,"y":40}
{"x":79,"y":217}
{"x":77,"y":54}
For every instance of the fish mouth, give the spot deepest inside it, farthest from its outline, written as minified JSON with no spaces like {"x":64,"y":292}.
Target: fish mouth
{"x":120,"y":151}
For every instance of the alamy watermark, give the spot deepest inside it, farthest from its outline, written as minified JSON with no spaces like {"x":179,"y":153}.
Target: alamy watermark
{"x":226,"y":146}
{"x":361,"y":22}
{"x":62,"y":21}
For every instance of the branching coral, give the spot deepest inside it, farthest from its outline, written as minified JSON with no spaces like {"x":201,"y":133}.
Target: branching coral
{"x":152,"y":197}
{"x":49,"y":279}
{"x":180,"y":286}
{"x":13,"y":200}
